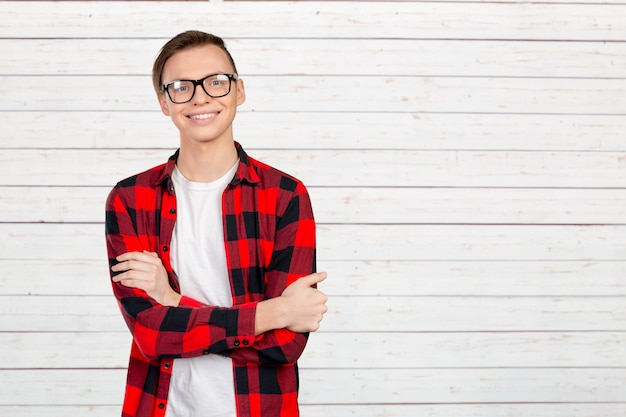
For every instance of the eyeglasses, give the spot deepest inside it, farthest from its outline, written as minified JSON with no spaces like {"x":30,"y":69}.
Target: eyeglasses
{"x":215,"y":85}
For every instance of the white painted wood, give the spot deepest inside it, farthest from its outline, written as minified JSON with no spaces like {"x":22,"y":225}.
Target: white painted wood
{"x":368,"y":350}
{"x":103,"y":387}
{"x":372,"y":410}
{"x":467,"y":410}
{"x":328,"y":20}
{"x":363,"y":205}
{"x":364,"y":278}
{"x":463,"y":350}
{"x":301,"y":56}
{"x":61,"y":411}
{"x":463,"y":385}
{"x":375,"y":94}
{"x":97,"y":350}
{"x":471,"y":216}
{"x":468,"y":205}
{"x":347,"y":313}
{"x":446,"y":242}
{"x":75,"y":387}
{"x":345,"y":168}
{"x":376,"y":243}
{"x":310,"y":130}
{"x":54,"y":277}
{"x":474,"y":278}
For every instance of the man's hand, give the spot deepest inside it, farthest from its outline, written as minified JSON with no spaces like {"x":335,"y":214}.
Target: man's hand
{"x":145,"y":271}
{"x":300,"y":308}
{"x":306,"y":305}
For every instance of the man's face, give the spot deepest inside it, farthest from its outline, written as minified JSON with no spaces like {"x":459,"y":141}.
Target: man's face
{"x":203,"y":119}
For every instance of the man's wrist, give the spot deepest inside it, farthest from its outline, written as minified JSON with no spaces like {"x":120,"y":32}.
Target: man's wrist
{"x":173,"y":299}
{"x":269,"y":316}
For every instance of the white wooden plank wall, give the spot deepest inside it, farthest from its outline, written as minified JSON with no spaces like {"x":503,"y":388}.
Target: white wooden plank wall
{"x":467,"y":166}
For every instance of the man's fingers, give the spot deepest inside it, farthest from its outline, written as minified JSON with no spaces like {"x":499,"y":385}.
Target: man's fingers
{"x":309,"y":280}
{"x":143,"y":261}
{"x":130,"y":275}
{"x":144,"y":256}
{"x":133,"y":265}
{"x":313,"y":279}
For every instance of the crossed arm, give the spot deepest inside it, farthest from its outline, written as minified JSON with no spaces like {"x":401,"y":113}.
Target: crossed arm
{"x":300,"y":308}
{"x":165,"y":323}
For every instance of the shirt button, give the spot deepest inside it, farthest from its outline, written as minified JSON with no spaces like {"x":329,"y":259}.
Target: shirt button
{"x":245,"y":342}
{"x":236,"y":343}
{"x":166,"y":365}
{"x":165,"y":248}
{"x":172,"y":211}
{"x":206,"y":352}
{"x":161,"y":406}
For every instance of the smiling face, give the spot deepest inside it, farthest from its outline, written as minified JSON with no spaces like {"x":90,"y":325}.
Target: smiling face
{"x":204,"y":119}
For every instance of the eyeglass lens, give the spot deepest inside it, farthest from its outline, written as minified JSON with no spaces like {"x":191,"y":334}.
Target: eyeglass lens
{"x":215,"y":85}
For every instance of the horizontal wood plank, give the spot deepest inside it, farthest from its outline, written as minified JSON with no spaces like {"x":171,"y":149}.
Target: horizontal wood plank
{"x":61,"y":410}
{"x":465,"y":410}
{"x":325,"y":350}
{"x":362,"y":278}
{"x":465,"y":160}
{"x":310,"y":130}
{"x":400,"y":57}
{"x":346,"y":314}
{"x":105,"y":387}
{"x":341,"y":168}
{"x":369,"y":410}
{"x":375,"y":94}
{"x":462,"y":386}
{"x":405,"y":20}
{"x":364,"y":242}
{"x":363,"y":205}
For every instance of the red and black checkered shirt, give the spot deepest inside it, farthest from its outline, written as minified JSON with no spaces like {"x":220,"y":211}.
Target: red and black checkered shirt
{"x":269,"y":236}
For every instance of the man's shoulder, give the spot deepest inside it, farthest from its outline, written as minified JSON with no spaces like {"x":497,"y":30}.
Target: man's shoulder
{"x":271,"y":177}
{"x":148,"y":178}
{"x":138,"y":189}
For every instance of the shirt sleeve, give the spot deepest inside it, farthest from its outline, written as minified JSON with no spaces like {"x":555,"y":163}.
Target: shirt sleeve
{"x":292,"y":258}
{"x":161,"y":331}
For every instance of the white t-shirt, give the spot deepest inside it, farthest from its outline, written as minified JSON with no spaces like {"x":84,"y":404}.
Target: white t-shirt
{"x":203,"y":386}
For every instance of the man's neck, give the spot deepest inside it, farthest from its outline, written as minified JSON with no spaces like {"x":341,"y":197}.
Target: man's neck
{"x":206,"y":162}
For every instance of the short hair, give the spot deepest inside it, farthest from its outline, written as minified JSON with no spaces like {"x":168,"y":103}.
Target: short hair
{"x":181,"y":42}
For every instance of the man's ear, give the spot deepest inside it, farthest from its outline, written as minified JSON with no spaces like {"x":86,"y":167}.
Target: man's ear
{"x":241,"y":92}
{"x":163,"y":103}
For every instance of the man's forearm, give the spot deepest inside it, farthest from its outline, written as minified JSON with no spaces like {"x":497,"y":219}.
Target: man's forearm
{"x":270,"y":315}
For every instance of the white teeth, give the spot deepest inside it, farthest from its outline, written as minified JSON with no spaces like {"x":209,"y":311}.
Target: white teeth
{"x":202,"y":116}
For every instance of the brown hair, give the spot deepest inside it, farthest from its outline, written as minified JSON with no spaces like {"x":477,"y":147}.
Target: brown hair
{"x":180,"y":42}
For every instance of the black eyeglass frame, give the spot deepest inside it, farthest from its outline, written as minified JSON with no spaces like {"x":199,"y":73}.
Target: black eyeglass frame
{"x":232,"y":76}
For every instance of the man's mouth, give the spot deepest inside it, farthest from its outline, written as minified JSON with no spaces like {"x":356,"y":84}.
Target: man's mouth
{"x":203,"y":116}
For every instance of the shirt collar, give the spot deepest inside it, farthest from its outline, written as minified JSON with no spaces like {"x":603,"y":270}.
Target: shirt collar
{"x":245,"y":171}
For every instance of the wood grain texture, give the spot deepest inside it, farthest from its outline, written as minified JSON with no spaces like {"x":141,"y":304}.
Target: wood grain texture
{"x":341,"y":57}
{"x":385,"y":314}
{"x":342,"y":130}
{"x":372,"y":410}
{"x":71,"y":242}
{"x":341,"y":167}
{"x":375,"y":94}
{"x":73,"y":387}
{"x":450,"y":350}
{"x":363,"y":205}
{"x":364,"y":278}
{"x":318,"y":19}
{"x":466,"y":164}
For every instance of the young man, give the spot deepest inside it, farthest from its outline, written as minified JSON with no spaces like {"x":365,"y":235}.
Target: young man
{"x":212,"y":257}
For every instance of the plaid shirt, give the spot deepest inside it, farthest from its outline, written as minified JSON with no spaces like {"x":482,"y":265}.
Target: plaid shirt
{"x":269,"y":236}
